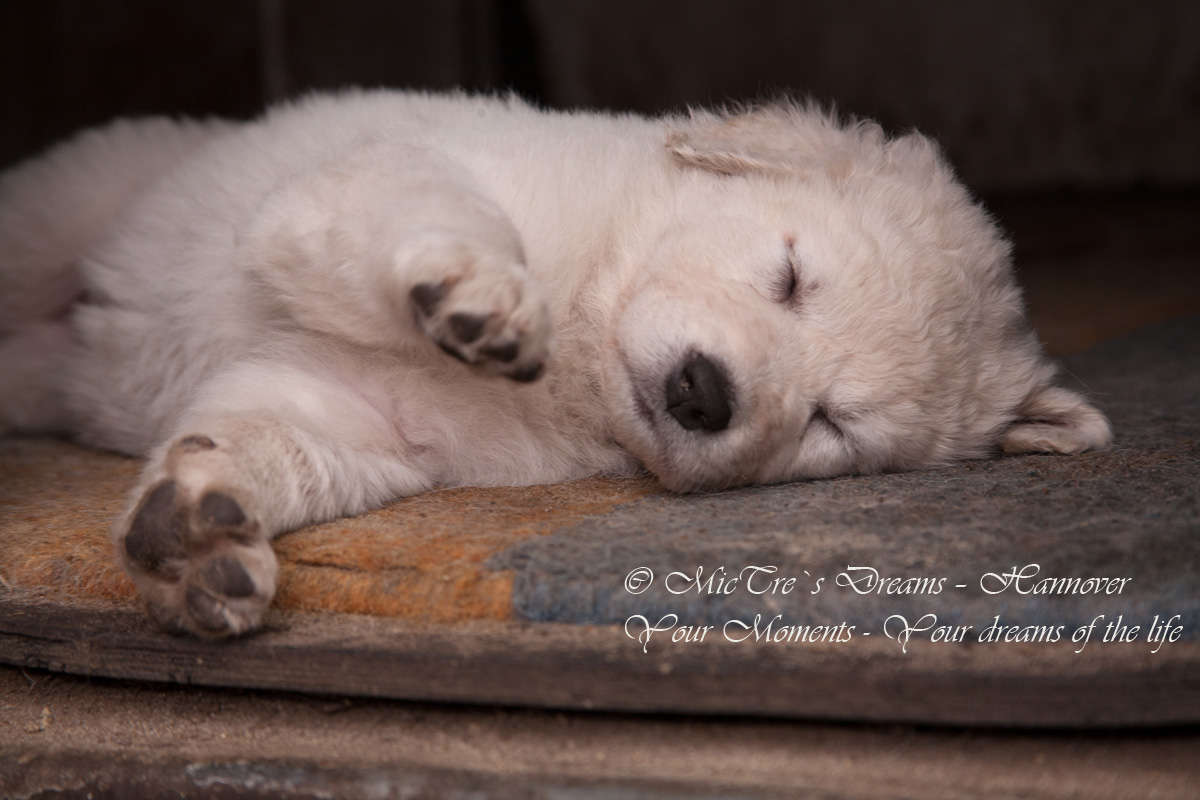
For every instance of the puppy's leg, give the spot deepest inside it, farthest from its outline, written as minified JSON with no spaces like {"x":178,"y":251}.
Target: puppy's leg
{"x":53,"y":210}
{"x":57,"y":207}
{"x":266,"y":450}
{"x":397,"y":248}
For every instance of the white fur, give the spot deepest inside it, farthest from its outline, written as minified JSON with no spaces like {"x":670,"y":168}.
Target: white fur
{"x":243,"y":309}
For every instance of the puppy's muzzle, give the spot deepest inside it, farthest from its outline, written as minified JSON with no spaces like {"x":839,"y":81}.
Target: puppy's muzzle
{"x":699,"y":396}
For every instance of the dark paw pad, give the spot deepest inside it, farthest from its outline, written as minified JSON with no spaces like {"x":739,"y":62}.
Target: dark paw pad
{"x":529,"y":373}
{"x":504,"y":353}
{"x":220,"y":511}
{"x":156,"y":534}
{"x":206,"y":611}
{"x":427,"y":296}
{"x":467,"y":328}
{"x":226,"y":576}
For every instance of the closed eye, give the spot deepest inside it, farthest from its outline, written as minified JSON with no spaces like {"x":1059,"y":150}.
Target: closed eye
{"x":784,"y":287}
{"x":841,"y":425}
{"x":821,"y":417}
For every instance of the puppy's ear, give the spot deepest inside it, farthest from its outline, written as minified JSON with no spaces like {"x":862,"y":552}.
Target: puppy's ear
{"x":779,"y":139}
{"x":1054,"y":420}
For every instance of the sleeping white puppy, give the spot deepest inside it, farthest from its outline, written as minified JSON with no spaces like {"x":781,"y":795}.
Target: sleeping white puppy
{"x":367,"y":295}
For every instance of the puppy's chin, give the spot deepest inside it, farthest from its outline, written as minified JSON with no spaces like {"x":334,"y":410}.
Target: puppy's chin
{"x":637,"y":430}
{"x":703,"y":466}
{"x":684,"y":481}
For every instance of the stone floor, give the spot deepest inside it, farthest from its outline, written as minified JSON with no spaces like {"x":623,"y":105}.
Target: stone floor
{"x":65,"y":736}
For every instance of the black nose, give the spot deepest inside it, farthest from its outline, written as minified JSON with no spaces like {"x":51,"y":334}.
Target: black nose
{"x":698,"y":395}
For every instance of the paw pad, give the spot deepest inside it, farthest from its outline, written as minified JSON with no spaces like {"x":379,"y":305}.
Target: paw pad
{"x":494,"y":320}
{"x":220,"y":511}
{"x":428,"y":296}
{"x":200,"y":564}
{"x":156,"y":535}
{"x":205,"y":610}
{"x":225,"y":575}
{"x":467,"y":328}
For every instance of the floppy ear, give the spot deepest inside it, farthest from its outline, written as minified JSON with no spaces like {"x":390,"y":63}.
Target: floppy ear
{"x":777,"y":139}
{"x":1054,"y":420}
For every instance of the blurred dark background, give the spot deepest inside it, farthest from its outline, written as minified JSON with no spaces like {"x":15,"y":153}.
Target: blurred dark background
{"x":1079,"y":123}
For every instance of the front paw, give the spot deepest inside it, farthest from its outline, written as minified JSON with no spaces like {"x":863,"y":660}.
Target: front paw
{"x":199,"y":558}
{"x":482,"y":309}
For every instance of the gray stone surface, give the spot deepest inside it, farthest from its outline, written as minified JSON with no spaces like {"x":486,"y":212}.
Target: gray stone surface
{"x":71,"y":737}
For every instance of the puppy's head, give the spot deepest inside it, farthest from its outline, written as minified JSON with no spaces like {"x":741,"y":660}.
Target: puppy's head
{"x":813,"y":299}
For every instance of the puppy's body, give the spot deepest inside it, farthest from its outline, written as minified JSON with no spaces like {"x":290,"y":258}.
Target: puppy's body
{"x":277,"y":313}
